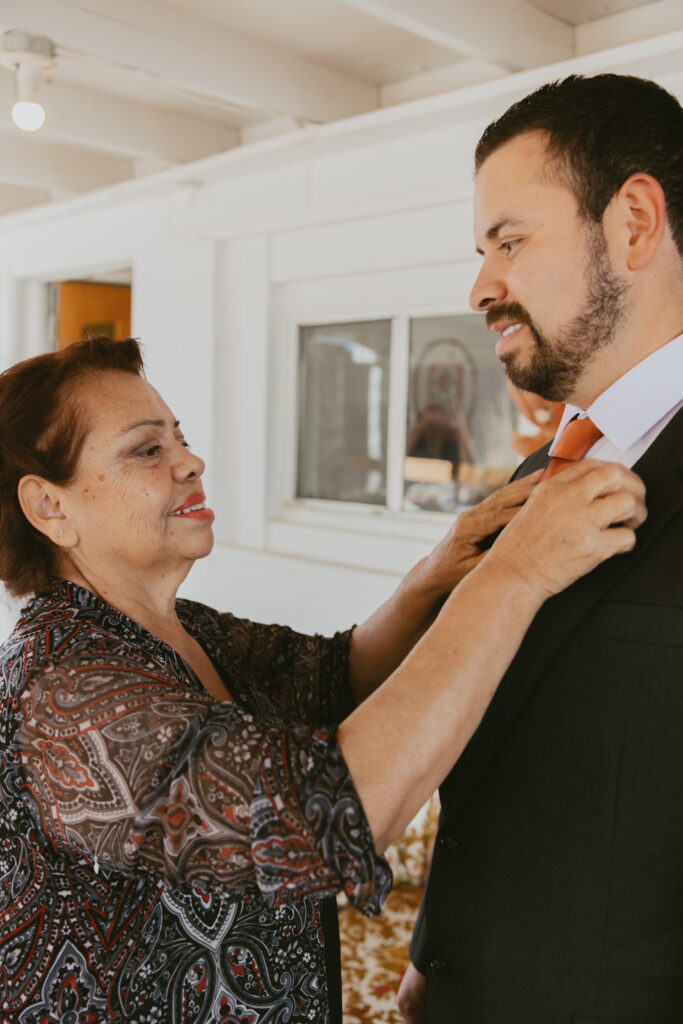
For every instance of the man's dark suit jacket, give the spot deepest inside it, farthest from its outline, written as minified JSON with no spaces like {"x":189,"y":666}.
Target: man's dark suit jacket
{"x":556,"y":889}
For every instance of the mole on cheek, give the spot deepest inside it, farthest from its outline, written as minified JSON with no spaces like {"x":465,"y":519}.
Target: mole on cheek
{"x":101,"y":476}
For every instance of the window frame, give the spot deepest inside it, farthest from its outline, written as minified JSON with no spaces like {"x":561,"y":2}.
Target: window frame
{"x":385,"y":538}
{"x":323,"y":502}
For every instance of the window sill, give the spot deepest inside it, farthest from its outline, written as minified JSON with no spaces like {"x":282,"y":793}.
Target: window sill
{"x":357,"y":536}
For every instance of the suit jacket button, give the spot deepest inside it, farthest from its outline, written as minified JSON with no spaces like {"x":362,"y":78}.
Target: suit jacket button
{"x":448,"y":843}
{"x":438,"y":965}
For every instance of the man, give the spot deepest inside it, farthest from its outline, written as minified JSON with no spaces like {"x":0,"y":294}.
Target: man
{"x":556,"y":888}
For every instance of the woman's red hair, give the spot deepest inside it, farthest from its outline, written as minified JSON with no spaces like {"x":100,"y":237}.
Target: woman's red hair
{"x":42,"y":430}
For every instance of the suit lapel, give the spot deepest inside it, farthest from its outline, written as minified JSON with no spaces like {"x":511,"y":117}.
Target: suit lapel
{"x":537,"y":460}
{"x":661,"y":468}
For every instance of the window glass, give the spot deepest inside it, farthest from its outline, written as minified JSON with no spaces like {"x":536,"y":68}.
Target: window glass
{"x":460,"y":417}
{"x":343,"y":404}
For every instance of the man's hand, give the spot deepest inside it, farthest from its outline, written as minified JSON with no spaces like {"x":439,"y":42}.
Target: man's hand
{"x":411,"y":995}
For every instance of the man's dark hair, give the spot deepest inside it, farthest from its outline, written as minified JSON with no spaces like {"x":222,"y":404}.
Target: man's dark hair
{"x":601,"y":130}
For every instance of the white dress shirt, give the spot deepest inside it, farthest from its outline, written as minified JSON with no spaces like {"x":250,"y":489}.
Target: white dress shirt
{"x":636,"y":408}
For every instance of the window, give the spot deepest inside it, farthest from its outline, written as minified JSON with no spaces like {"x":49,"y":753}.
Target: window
{"x":460,"y":417}
{"x":344,"y":400}
{"x":410,"y":419}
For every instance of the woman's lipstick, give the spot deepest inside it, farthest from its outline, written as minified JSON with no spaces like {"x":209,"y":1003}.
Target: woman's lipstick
{"x":194,"y":507}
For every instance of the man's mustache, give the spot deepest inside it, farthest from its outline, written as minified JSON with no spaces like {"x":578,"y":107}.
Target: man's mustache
{"x":508,"y":311}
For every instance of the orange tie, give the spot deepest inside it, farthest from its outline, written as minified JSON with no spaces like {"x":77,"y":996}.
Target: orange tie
{"x":577,"y":438}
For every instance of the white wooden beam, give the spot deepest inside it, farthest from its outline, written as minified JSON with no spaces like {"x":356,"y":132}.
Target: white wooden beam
{"x":432,"y":83}
{"x":103,"y":121}
{"x":269,"y":128}
{"x":194,"y":57}
{"x":16,"y":197}
{"x":633,"y":26}
{"x":41,"y":164}
{"x":511,"y":33}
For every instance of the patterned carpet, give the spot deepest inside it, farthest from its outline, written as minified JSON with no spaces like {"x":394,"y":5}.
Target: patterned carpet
{"x":374,"y":956}
{"x":374,"y":950}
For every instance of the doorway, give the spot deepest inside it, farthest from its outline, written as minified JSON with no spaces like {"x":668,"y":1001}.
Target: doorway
{"x":90,"y":307}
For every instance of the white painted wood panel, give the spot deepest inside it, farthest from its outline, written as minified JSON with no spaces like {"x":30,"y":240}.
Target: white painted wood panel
{"x":242,"y":205}
{"x":241,"y":391}
{"x":425,"y":160}
{"x":410,"y":238}
{"x":315,"y":597}
{"x":389,"y":554}
{"x":416,"y":291}
{"x":8,"y":318}
{"x":76,"y":242}
{"x":173,"y":316}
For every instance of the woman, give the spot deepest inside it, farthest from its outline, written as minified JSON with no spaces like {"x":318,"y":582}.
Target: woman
{"x":182,"y":790}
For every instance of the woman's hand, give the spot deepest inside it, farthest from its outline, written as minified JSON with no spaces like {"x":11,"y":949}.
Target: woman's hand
{"x":570,"y":524}
{"x":380,"y":644}
{"x":459,"y":551}
{"x":404,"y":739}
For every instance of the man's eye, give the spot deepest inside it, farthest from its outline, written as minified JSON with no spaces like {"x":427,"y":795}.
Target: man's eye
{"x":509,"y":244}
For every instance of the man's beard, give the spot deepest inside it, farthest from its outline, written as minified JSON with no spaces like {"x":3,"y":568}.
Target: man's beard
{"x":556,"y":364}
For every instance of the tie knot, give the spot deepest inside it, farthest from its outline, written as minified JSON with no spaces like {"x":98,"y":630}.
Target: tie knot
{"x":577,"y":438}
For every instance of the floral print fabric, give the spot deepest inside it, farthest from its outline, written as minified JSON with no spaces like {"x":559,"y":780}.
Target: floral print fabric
{"x":163,"y":856}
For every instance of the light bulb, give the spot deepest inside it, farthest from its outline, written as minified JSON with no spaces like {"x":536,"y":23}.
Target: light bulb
{"x":29,"y":57}
{"x":28,"y":115}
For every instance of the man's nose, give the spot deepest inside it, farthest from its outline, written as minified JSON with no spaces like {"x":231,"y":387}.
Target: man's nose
{"x":488,"y":289}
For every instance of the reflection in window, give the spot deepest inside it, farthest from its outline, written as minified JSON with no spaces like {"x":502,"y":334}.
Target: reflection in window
{"x":460,"y":415}
{"x":343,"y":403}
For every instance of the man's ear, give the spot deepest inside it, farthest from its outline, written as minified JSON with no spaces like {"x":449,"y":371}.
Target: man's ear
{"x":638,"y":213}
{"x":42,"y":504}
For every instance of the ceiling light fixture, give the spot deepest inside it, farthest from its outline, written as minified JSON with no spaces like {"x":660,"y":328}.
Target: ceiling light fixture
{"x":29,"y":57}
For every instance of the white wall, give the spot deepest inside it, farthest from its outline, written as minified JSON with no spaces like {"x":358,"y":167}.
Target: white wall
{"x":367,"y":217}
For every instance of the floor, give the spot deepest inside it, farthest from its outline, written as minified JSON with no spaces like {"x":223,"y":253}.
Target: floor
{"x":374,"y":956}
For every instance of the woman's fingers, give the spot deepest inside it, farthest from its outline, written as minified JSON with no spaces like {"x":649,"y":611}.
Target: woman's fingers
{"x":516,"y":492}
{"x":561,"y":525}
{"x":572,"y":523}
{"x":618,"y":494}
{"x":485,"y":520}
{"x":505,"y":501}
{"x":459,"y":551}
{"x":601,"y":478}
{"x":620,"y":508}
{"x":512,"y":494}
{"x":618,"y":541}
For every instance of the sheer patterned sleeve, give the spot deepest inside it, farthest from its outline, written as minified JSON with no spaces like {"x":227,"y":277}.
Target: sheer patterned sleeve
{"x":306,"y":678}
{"x":132,"y":770}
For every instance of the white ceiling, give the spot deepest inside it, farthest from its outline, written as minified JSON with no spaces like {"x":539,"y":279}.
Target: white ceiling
{"x":141,"y":85}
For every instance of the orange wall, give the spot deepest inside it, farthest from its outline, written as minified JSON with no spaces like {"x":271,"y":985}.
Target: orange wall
{"x":87,"y":309}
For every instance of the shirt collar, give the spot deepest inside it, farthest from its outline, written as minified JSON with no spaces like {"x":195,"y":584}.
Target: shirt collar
{"x":637,"y":400}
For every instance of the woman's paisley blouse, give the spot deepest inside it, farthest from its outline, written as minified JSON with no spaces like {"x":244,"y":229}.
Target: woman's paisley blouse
{"x":163,"y":857}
